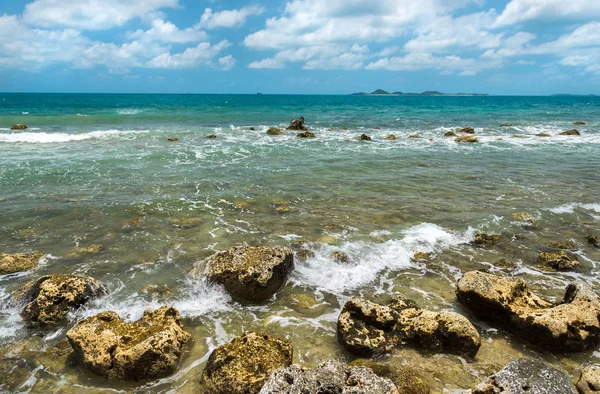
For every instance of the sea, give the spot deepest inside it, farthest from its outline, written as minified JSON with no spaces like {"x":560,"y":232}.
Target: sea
{"x":96,"y":186}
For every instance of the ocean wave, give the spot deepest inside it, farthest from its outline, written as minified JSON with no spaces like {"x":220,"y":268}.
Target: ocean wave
{"x":570,"y":208}
{"x":129,"y":111}
{"x":49,"y":138}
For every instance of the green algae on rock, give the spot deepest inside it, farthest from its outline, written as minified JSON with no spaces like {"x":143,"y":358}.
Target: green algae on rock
{"x":243,"y":365}
{"x":148,"y":348}
{"x":19,"y":262}
{"x":50,"y":298}
{"x":253,"y":273}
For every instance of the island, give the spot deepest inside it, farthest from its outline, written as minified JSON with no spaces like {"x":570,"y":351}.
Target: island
{"x":381,"y":92}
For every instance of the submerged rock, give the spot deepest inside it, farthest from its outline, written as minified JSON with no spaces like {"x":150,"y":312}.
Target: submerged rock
{"x":365,"y":328}
{"x":19,"y":262}
{"x":148,"y":348}
{"x":364,"y":137}
{"x":243,"y":365}
{"x":561,"y":245}
{"x":211,"y":136}
{"x":18,"y":126}
{"x":306,"y":134}
{"x":522,"y":217}
{"x":450,"y":134}
{"x":161,"y":291}
{"x":414,"y":136}
{"x":391,"y":137}
{"x":571,"y":325}
{"x":172,"y":139}
{"x":340,"y":257}
{"x":329,"y":377}
{"x":593,"y":240}
{"x":406,"y":380}
{"x":558,"y":261}
{"x":589,"y":382}
{"x":543,"y":135}
{"x":579,"y":123}
{"x":485,"y":240}
{"x":420,"y":256}
{"x":50,"y":298}
{"x":467,"y":130}
{"x":505,"y":263}
{"x":297,"y":124}
{"x":466,"y":138}
{"x":274,"y":131}
{"x":526,"y":376}
{"x":506,"y":125}
{"x":252,"y":273}
{"x":571,"y":132}
{"x":84,"y":251}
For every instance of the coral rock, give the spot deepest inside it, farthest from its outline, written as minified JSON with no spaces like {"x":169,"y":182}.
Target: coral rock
{"x":11,"y":263}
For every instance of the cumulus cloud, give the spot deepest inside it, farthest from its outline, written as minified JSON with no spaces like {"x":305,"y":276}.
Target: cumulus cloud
{"x":166,"y":31}
{"x":227,"y":62}
{"x":228,"y":18}
{"x":549,"y":10}
{"x":90,"y":14}
{"x":191,"y":57}
{"x":268,"y":63}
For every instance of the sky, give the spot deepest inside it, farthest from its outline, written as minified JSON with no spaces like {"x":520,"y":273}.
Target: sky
{"x":521,"y":47}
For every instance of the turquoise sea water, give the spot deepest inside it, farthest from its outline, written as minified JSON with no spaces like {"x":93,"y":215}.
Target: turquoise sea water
{"x":98,"y":170}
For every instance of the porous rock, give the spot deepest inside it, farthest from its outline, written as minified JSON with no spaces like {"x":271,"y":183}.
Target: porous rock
{"x":252,"y":273}
{"x":571,"y":325}
{"x":50,"y":298}
{"x":306,"y":134}
{"x":18,"y":262}
{"x":340,"y":257}
{"x":593,"y":240}
{"x":365,"y":328}
{"x":148,"y":348}
{"x":485,"y":240}
{"x":297,"y":124}
{"x":274,"y":131}
{"x":407,"y":381}
{"x":558,"y":261}
{"x":589,"y":382}
{"x":329,"y":377}
{"x":466,"y":138}
{"x":243,"y":365}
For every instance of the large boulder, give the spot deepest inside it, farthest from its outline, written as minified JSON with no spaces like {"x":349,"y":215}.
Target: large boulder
{"x":18,"y":126}
{"x":18,"y":262}
{"x":365,"y":328}
{"x":329,"y":377}
{"x":148,"y":348}
{"x":571,"y":132}
{"x":274,"y":131}
{"x":50,"y":298}
{"x":243,"y":365}
{"x":252,"y":273}
{"x":297,"y":124}
{"x":561,"y":260}
{"x":571,"y":325}
{"x":589,"y":382}
{"x":526,"y":376}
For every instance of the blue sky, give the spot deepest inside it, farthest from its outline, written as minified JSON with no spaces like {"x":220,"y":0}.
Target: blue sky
{"x":300,"y":46}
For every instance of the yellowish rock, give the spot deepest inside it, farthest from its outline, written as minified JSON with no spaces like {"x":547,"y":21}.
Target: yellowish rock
{"x":18,"y":262}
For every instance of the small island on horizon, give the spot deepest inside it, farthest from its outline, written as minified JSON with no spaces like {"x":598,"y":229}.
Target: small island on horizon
{"x":381,"y":92}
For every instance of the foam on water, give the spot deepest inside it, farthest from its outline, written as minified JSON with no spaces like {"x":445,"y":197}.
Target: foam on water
{"x":570,"y":208}
{"x":49,"y":138}
{"x":129,"y":111}
{"x":369,"y":259}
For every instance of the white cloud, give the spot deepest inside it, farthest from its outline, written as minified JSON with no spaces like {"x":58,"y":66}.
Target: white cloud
{"x":90,"y":14}
{"x":228,"y":18}
{"x":191,"y":57}
{"x":168,"y":32}
{"x":420,"y":60}
{"x":267,"y":63}
{"x":548,"y":10}
{"x":227,"y":62}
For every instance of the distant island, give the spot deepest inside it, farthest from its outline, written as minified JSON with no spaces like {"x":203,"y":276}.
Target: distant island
{"x":381,"y":92}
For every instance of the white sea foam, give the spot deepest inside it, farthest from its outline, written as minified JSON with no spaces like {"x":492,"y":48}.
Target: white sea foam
{"x":369,"y":259}
{"x":570,"y":208}
{"x":49,"y":138}
{"x":129,"y":111}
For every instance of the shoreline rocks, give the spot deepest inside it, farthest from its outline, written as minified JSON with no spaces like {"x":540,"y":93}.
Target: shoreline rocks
{"x":558,"y":261}
{"x":364,"y":137}
{"x":306,"y":134}
{"x":365,"y":328}
{"x":274,"y":131}
{"x":297,"y":124}
{"x":50,"y":298}
{"x":467,"y":130}
{"x":589,"y":382}
{"x":148,"y":348}
{"x":466,"y":138}
{"x":391,"y":137}
{"x":571,"y":132}
{"x":19,"y":262}
{"x":252,"y":273}
{"x":18,"y":126}
{"x":572,"y":325}
{"x":243,"y":365}
{"x":329,"y":377}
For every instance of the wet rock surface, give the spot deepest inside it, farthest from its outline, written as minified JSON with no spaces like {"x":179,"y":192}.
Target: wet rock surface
{"x":274,"y":131}
{"x":391,"y":137}
{"x":365,"y":328}
{"x":406,"y":380}
{"x":252,"y":273}
{"x":450,"y":134}
{"x":148,"y":348}
{"x":571,"y":132}
{"x":50,"y":298}
{"x":558,"y":261}
{"x":329,"y":377}
{"x":297,"y":124}
{"x":18,"y":126}
{"x":593,"y":240}
{"x":589,"y":382}
{"x":364,"y":137}
{"x":306,"y":134}
{"x":243,"y":365}
{"x":467,"y":130}
{"x":486,"y":240}
{"x":526,"y":376}
{"x":572,"y":325}
{"x":466,"y":138}
{"x":18,"y":262}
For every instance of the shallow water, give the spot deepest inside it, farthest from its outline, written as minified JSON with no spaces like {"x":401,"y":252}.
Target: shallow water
{"x":97,"y":170}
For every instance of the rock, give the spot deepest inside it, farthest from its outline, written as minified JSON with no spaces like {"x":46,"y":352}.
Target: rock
{"x":523,"y":217}
{"x":340,"y":257}
{"x":543,"y":135}
{"x":243,"y":365}
{"x":571,"y":132}
{"x":161,"y":291}
{"x":561,"y":245}
{"x":172,"y":139}
{"x":506,"y":125}
{"x":211,"y":136}
{"x":19,"y":262}
{"x":406,"y":380}
{"x":391,"y":137}
{"x":84,"y":252}
{"x":467,"y":130}
{"x":346,"y":128}
{"x":329,"y":377}
{"x":558,"y":261}
{"x":306,"y":134}
{"x":305,"y":304}
{"x":364,"y":137}
{"x":365,"y":328}
{"x":148,"y":348}
{"x":297,"y":124}
{"x":252,"y":129}
{"x":505,"y":263}
{"x":466,"y":138}
{"x":526,"y":376}
{"x":420,"y":256}
{"x":571,"y":325}
{"x":49,"y":298}
{"x":18,"y":126}
{"x":450,"y":134}
{"x":486,"y":240}
{"x":414,"y":136}
{"x":252,"y":273}
{"x":274,"y":131}
{"x":593,"y":240}
{"x":579,"y":123}
{"x":589,"y":382}
{"x":186,"y":223}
